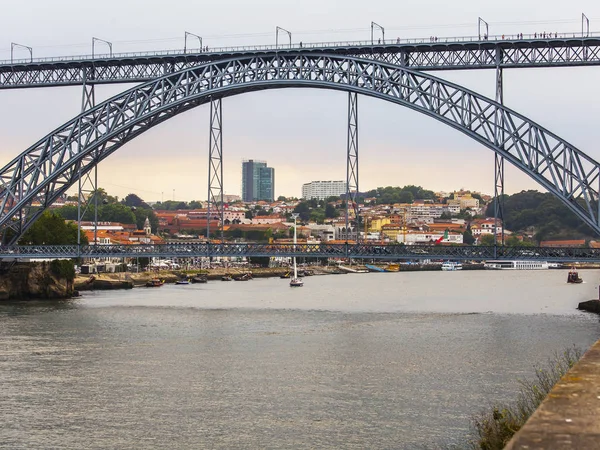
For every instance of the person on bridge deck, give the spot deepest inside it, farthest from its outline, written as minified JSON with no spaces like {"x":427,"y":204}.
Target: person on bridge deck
{"x":300,"y":44}
{"x":397,"y":40}
{"x":379,"y":41}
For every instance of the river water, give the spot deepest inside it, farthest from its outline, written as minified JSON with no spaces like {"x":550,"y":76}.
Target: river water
{"x":391,"y":360}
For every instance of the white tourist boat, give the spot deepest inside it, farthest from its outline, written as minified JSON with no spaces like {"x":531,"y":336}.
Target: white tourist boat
{"x":451,"y":266}
{"x":295,"y":282}
{"x":517,"y":265}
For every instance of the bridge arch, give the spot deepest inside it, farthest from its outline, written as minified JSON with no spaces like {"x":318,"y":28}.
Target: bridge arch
{"x":38,"y":176}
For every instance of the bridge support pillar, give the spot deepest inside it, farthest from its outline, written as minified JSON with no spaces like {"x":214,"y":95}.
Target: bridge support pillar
{"x":215,"y":165}
{"x":499,"y":159}
{"x":88,"y":182}
{"x":352,"y":165}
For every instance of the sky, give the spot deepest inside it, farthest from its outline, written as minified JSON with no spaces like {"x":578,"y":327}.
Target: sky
{"x":299,"y":132}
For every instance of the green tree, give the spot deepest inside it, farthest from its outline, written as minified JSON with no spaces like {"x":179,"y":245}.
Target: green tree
{"x":303,"y":210}
{"x":281,"y":198}
{"x":249,"y":214}
{"x":134,"y":200}
{"x":468,"y":237}
{"x":486,"y":239}
{"x":51,"y":229}
{"x":330,"y":211}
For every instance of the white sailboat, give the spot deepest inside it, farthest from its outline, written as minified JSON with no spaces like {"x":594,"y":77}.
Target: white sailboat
{"x":295,"y":282}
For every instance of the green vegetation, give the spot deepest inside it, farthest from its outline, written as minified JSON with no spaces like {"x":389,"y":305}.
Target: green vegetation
{"x":495,"y":426}
{"x":51,"y":229}
{"x":131,"y":210}
{"x":390,"y":195}
{"x":171,"y":205}
{"x":63,"y":268}
{"x":544,"y":213}
{"x":316,"y":210}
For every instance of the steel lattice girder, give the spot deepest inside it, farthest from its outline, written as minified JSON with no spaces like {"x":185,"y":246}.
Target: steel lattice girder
{"x":423,"y":56}
{"x":47,"y":169}
{"x":360,"y":251}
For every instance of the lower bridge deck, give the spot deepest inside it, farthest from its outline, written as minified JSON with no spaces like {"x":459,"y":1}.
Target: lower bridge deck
{"x":355,"y":251}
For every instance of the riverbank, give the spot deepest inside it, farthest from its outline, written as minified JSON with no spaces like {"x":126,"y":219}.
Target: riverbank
{"x":39,"y":280}
{"x":108,"y":281}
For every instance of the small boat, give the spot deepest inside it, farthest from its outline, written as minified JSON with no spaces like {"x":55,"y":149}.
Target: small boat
{"x":226,"y":278}
{"x":244,"y":277}
{"x":573,"y":277}
{"x":155,"y":282}
{"x":186,"y":281}
{"x":200,"y":279}
{"x":451,"y":266}
{"x":373,"y":268}
{"x":393,"y":268}
{"x":286,"y":275}
{"x":295,"y":282}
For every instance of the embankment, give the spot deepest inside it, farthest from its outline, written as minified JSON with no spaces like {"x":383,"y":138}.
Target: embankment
{"x":39,"y":280}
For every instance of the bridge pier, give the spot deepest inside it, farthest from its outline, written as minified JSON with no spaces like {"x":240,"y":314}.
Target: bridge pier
{"x":352,"y":163}
{"x":215,"y":164}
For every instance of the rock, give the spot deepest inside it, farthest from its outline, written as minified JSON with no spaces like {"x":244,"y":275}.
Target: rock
{"x":590,"y":306}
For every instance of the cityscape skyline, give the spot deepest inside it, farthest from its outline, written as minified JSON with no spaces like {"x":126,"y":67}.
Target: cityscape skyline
{"x":397,"y":147}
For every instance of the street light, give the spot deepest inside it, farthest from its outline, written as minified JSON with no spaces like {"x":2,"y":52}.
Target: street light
{"x":487,"y":27}
{"x":12,"y":49}
{"x":187,"y":33}
{"x":95,"y":39}
{"x":277,"y":30}
{"x":585,"y":26}
{"x":373,"y":24}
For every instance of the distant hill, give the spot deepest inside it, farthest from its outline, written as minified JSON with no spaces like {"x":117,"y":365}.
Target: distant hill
{"x":548,"y":216}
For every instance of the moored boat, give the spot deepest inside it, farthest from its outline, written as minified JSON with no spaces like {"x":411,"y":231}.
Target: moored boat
{"x":184,"y":281}
{"x":373,"y":268}
{"x":516,"y":265}
{"x":451,"y":266}
{"x":244,"y":277}
{"x":200,"y":279}
{"x":226,"y":277}
{"x":393,"y":268}
{"x":155,"y":282}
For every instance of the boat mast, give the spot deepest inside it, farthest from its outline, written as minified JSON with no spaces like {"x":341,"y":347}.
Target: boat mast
{"x":295,"y":216}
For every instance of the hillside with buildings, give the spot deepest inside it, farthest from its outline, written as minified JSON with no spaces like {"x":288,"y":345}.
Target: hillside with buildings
{"x":387,"y":215}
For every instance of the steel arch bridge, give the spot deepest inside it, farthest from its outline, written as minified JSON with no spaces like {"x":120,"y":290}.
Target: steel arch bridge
{"x":47,"y":169}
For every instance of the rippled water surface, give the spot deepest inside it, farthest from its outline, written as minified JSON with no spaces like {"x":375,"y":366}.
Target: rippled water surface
{"x":350,"y":361}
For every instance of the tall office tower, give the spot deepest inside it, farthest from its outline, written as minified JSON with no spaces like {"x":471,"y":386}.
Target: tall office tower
{"x":258,"y":181}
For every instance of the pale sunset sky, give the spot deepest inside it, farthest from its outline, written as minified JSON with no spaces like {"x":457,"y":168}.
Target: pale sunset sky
{"x":301,"y":133}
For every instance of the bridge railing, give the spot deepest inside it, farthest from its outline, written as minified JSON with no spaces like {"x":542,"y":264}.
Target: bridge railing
{"x":359,"y":251}
{"x":308,"y":45}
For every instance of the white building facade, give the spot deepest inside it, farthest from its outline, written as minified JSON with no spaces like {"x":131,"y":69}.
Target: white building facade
{"x":321,"y":190}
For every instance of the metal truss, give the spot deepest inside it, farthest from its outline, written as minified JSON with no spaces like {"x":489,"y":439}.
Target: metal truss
{"x":352,"y":165}
{"x":215,"y":166}
{"x":87,"y":192}
{"x":33,"y":180}
{"x":498,"y":158}
{"x":355,"y":251}
{"x":137,"y":68}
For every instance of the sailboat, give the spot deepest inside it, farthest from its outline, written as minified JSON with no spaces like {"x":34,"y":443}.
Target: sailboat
{"x":295,"y":282}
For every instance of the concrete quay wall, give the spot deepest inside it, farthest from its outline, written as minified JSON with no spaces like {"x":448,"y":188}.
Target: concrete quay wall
{"x":569,"y":418}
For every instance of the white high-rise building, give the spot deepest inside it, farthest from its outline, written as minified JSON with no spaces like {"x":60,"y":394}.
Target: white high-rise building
{"x":320,"y":190}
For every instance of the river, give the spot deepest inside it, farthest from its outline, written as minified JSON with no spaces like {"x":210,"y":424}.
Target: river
{"x":391,"y":360}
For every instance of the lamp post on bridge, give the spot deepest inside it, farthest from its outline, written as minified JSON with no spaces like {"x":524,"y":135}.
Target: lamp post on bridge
{"x":187,"y":33}
{"x":373,"y":25}
{"x":95,"y":39}
{"x":277,"y":30}
{"x":487,"y":28}
{"x":585,"y":26}
{"x":12,"y":51}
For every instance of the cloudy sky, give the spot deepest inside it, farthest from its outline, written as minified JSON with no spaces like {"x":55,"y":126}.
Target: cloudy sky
{"x":301,"y":133}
